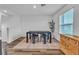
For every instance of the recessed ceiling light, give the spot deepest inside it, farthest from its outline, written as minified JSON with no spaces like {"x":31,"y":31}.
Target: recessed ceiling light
{"x":34,"y":6}
{"x":5,"y":11}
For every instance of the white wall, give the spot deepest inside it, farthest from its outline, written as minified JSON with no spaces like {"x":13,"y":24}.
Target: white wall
{"x":35,"y":23}
{"x":76,"y":20}
{"x":1,"y":14}
{"x":19,"y":25}
{"x":12,"y":23}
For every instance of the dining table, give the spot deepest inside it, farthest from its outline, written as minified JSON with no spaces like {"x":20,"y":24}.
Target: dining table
{"x":46,"y":35}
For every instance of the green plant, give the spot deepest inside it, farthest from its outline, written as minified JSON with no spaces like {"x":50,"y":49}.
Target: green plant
{"x":52,"y":26}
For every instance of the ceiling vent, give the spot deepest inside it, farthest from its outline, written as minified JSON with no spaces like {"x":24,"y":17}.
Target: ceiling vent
{"x":42,"y":5}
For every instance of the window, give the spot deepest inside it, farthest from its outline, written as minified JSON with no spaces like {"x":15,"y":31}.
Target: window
{"x":66,"y":22}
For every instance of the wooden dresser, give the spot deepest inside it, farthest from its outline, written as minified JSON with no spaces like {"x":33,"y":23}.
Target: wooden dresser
{"x":69,"y":44}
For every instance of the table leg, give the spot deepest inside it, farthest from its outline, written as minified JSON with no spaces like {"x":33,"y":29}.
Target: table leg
{"x":26,"y":37}
{"x":50,"y":41}
{"x":44,"y":39}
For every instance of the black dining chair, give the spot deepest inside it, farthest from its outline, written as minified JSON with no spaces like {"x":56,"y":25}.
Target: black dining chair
{"x":44,"y":38}
{"x":33,"y":38}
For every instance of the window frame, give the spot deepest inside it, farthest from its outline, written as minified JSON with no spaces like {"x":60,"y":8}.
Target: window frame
{"x":66,"y":24}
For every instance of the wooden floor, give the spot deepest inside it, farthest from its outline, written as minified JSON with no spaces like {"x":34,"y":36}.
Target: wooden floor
{"x":15,"y":42}
{"x":23,"y":48}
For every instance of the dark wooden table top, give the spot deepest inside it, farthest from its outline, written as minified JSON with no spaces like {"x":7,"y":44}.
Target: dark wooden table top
{"x":39,"y":32}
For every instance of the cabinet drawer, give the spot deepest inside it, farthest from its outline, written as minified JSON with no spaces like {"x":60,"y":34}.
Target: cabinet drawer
{"x":69,"y":44}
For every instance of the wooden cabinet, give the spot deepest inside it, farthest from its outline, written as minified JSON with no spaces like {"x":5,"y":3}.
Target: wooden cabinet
{"x":69,"y":44}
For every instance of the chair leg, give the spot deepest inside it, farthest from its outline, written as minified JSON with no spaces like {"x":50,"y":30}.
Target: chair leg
{"x":33,"y":40}
{"x":44,"y":40}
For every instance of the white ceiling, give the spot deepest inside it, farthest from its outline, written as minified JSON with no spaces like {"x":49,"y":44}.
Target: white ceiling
{"x":27,"y":9}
